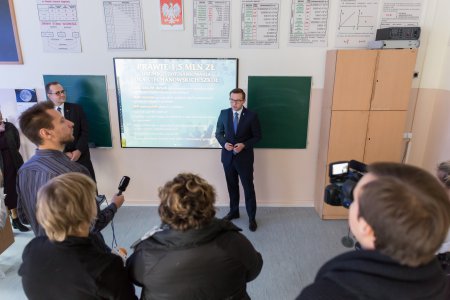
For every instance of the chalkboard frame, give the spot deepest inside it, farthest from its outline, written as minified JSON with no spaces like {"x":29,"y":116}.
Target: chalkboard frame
{"x":10,"y":52}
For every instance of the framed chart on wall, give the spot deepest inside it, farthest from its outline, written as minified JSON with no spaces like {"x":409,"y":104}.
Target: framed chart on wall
{"x":10,"y":52}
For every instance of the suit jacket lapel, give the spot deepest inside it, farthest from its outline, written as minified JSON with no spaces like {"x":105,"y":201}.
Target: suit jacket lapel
{"x":230,"y":121}
{"x":241,"y":119}
{"x":67,"y":111}
{"x":243,"y":115}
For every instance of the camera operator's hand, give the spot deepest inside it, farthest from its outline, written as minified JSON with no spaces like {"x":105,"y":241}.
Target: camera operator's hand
{"x":118,"y":200}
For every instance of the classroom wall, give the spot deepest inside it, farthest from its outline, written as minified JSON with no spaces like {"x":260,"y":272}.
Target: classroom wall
{"x":431,"y":127}
{"x":282,"y":177}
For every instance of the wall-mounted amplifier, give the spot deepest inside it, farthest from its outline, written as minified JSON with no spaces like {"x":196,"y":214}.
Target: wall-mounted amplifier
{"x":398,"y":33}
{"x":392,"y":44}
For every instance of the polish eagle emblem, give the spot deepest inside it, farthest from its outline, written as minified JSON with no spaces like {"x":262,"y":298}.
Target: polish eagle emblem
{"x":171,"y":12}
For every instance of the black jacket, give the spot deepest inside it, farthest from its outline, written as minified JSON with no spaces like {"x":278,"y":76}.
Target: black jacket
{"x":72,"y":269}
{"x":372,"y":275}
{"x":74,"y":113}
{"x":214,"y":262}
{"x":13,"y":141}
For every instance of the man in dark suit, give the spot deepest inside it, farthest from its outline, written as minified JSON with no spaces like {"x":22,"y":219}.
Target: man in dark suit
{"x":77,"y":150}
{"x":238,"y":130}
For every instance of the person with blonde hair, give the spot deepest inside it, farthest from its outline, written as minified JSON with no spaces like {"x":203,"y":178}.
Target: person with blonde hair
{"x":67,"y":263}
{"x":193,"y":255}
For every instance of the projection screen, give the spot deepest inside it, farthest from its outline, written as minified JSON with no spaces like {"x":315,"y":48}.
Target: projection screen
{"x":172,"y":102}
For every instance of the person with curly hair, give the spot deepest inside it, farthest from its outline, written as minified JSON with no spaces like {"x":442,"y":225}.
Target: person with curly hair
{"x":192,"y":254}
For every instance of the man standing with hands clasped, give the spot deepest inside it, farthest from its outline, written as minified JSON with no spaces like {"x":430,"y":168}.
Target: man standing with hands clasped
{"x":238,"y":130}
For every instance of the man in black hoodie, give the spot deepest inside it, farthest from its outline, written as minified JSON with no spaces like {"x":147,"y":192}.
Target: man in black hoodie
{"x":400,"y":215}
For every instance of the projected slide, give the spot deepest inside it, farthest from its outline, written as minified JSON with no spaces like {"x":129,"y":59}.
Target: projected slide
{"x":172,"y":103}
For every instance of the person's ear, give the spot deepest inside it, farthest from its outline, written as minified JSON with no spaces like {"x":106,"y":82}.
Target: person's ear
{"x":366,"y":233}
{"x":45,"y":133}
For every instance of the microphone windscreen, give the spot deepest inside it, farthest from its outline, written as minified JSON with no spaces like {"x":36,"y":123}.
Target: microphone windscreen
{"x":124,"y":183}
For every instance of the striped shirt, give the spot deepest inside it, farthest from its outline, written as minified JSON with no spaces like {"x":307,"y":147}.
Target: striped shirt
{"x":37,"y":171}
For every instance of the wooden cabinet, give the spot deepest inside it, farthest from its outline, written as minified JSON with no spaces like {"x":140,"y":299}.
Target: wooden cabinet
{"x":354,"y":77}
{"x":364,"y":111}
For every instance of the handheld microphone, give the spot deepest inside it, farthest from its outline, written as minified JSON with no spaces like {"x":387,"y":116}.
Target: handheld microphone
{"x":122,"y":187}
{"x":123,"y":184}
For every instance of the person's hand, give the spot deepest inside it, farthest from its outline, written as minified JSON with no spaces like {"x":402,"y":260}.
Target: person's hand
{"x":239,"y":147}
{"x":75,"y":155}
{"x":229,"y":146}
{"x":69,"y":154}
{"x":118,"y":200}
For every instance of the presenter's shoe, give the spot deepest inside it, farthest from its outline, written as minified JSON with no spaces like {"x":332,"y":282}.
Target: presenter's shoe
{"x":18,"y":225}
{"x":230,"y":216}
{"x":252,"y":225}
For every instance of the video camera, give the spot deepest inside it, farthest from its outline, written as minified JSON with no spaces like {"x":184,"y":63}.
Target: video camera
{"x":344,"y":175}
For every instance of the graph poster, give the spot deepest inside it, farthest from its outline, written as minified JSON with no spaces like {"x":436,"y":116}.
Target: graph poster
{"x":357,"y":23}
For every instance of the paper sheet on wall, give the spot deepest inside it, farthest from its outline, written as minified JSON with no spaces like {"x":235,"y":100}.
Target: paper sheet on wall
{"x":212,"y":23}
{"x":401,"y":13}
{"x":124,"y":28}
{"x":259,"y":23}
{"x":308,"y":24}
{"x":357,"y":23}
{"x":25,"y":98}
{"x":60,"y":30}
{"x":171,"y":14}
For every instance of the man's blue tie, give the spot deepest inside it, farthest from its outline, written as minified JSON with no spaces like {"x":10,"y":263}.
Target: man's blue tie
{"x":59,"y":109}
{"x":235,"y":121}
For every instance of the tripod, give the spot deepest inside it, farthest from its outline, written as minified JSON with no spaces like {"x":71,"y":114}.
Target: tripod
{"x":347,"y":240}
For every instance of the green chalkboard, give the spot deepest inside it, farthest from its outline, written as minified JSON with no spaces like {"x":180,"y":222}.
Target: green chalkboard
{"x":282,"y":104}
{"x":89,"y":91}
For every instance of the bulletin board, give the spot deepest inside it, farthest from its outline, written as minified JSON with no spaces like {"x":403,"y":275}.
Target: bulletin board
{"x":10,"y":52}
